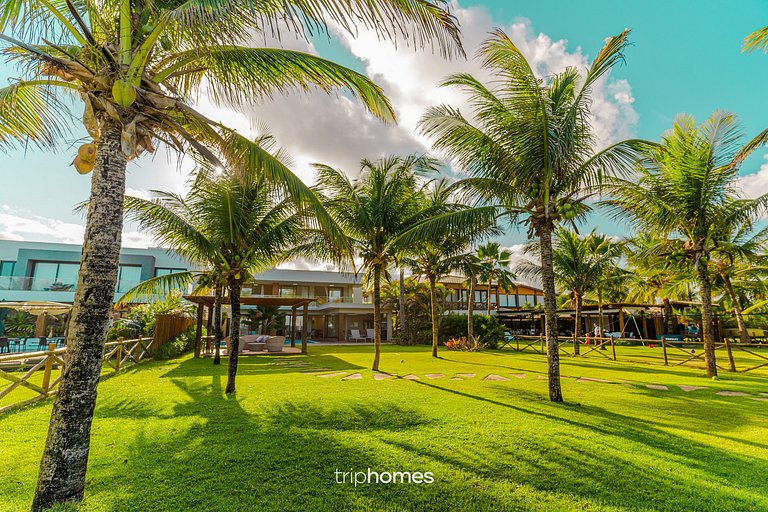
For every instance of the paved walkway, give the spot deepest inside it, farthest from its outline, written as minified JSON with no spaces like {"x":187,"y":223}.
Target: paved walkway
{"x":329,"y":373}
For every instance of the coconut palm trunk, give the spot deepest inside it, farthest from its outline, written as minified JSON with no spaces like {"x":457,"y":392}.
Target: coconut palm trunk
{"x":234,"y":339}
{"x":706,"y":317}
{"x":550,"y":312}
{"x":65,"y":458}
{"x":669,"y":316}
{"x":376,"y":317}
{"x":217,"y":324}
{"x":577,"y":324}
{"x":402,"y":303}
{"x":488,"y":298}
{"x":743,"y":334}
{"x":471,"y":310}
{"x":433,"y":312}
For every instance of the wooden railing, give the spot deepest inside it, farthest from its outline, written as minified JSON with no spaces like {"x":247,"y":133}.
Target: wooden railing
{"x":673,"y":352}
{"x":117,"y":354}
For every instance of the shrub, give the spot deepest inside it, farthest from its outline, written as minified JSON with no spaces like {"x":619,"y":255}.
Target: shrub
{"x":181,"y":344}
{"x":487,"y":328}
{"x":463,"y":344}
{"x":19,"y":324}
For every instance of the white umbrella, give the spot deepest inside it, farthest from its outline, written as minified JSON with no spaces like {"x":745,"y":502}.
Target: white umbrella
{"x":34,"y":307}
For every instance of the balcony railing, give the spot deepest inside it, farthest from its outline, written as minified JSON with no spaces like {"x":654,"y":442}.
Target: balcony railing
{"x":36,"y":284}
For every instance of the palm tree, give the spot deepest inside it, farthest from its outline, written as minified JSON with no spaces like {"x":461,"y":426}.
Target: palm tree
{"x":579,"y":264}
{"x":686,"y":189}
{"x":137,"y":65}
{"x":495,"y":268}
{"x":738,"y":255}
{"x":604,"y":253}
{"x":656,"y":275}
{"x":373,"y":211}
{"x":531,"y":153}
{"x":471,"y":266}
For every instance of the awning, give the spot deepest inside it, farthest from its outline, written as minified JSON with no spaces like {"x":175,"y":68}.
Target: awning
{"x":37,"y":308}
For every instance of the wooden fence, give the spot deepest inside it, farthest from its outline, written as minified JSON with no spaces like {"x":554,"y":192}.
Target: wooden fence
{"x":673,"y":352}
{"x":13,"y":369}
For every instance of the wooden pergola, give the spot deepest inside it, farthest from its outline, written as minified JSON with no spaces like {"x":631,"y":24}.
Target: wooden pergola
{"x":207,"y":302}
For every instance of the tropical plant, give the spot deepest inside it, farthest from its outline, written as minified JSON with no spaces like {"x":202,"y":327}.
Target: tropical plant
{"x":531,"y":152}
{"x":581,"y":264}
{"x":137,"y":65}
{"x":416,"y":326}
{"x":19,"y":324}
{"x":471,"y":266}
{"x":685,"y":191}
{"x":373,"y":211}
{"x":490,"y":331}
{"x":495,"y":267}
{"x":266,"y":318}
{"x":655,"y":274}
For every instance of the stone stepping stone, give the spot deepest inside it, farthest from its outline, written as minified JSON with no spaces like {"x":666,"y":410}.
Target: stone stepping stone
{"x":758,"y":398}
{"x":657,"y":386}
{"x":354,"y":376}
{"x":496,"y":378}
{"x":456,"y":378}
{"x":731,"y":393}
{"x":411,"y":377}
{"x":334,"y":374}
{"x":542,"y":377}
{"x":764,"y":394}
{"x":466,"y":375}
{"x":688,"y":389}
{"x":518,"y":375}
{"x":590,"y":379}
{"x":317,"y":370}
{"x":381,"y":376}
{"x":434,"y":375}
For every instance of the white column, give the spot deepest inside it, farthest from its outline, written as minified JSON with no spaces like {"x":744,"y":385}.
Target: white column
{"x":389,"y":326}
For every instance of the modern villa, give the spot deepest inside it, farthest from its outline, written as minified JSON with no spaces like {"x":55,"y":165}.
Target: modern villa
{"x":41,"y":271}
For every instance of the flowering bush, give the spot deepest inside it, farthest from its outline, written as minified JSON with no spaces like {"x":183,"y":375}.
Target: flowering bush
{"x":463,"y":344}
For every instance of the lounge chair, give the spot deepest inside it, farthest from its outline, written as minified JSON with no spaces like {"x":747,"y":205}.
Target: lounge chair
{"x":354,"y":335}
{"x":370,"y":334}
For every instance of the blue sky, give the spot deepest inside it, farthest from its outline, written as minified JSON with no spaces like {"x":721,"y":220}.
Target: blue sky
{"x":686,"y":57}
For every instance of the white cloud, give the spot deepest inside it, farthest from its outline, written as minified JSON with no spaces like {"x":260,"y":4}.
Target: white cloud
{"x":23,"y":225}
{"x":755,"y":184}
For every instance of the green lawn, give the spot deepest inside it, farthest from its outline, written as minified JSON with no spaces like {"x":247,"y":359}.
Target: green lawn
{"x":166,"y":438}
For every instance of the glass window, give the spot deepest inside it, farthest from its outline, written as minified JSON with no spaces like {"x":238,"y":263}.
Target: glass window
{"x":54,"y":276}
{"x":164,"y":271}
{"x":6,"y":268}
{"x":287,"y":291}
{"x":128,"y":277}
{"x":334,"y":295}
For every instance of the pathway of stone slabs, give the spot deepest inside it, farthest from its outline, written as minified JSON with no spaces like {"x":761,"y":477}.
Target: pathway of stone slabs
{"x":323,"y":373}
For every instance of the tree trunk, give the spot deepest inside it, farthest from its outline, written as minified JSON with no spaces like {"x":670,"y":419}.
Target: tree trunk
{"x":376,"y":317}
{"x":706,"y":318}
{"x":234,"y":338}
{"x":471,"y":310}
{"x":65,"y":458}
{"x":743,"y":334}
{"x":488,"y":298}
{"x":669,"y":314}
{"x":433,"y":313}
{"x":550,"y":313}
{"x":402,"y":304}
{"x":577,"y":326}
{"x":217,"y":324}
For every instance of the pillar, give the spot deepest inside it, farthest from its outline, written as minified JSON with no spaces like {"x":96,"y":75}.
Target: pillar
{"x":621,"y":321}
{"x":199,"y":329}
{"x":293,"y":326}
{"x":305,"y":329}
{"x":389,"y":326}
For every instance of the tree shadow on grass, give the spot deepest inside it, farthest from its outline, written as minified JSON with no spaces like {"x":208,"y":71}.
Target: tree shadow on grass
{"x":261,"y":365}
{"x":280,"y":456}
{"x":632,"y":465}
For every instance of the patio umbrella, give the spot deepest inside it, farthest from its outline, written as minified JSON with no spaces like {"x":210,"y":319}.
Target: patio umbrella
{"x":38,"y":308}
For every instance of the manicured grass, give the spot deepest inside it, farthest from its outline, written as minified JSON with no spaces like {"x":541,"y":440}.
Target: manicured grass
{"x":166,"y":438}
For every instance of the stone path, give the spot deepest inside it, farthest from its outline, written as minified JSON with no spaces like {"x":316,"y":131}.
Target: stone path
{"x":496,"y":377}
{"x":492,"y":377}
